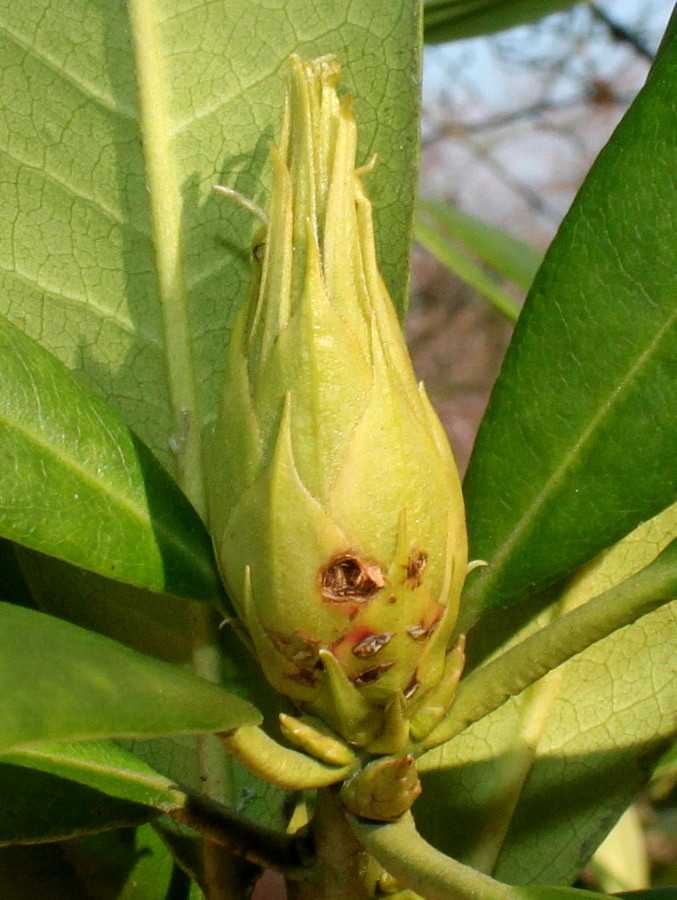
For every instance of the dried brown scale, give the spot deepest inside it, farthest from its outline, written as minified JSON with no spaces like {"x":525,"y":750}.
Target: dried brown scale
{"x":371,"y":675}
{"x":415,"y":567}
{"x":302,"y":653}
{"x":420,"y":632}
{"x":412,"y":688}
{"x":307,"y":678}
{"x":371,"y":645}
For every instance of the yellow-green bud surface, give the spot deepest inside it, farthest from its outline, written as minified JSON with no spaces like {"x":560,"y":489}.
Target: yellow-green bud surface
{"x":336,"y":508}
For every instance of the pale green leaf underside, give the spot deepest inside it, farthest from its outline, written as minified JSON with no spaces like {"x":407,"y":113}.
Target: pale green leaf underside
{"x":584,"y":737}
{"x":116,"y":254}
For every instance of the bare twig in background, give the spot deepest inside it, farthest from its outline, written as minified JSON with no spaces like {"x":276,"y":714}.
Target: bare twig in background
{"x":622,"y":34}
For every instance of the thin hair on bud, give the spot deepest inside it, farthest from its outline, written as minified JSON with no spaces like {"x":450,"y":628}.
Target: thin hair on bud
{"x":243,"y":201}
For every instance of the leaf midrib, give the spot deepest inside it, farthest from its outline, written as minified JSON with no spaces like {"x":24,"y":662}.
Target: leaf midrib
{"x":166,"y":215}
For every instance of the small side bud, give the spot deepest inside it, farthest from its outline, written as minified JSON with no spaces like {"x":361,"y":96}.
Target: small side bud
{"x":383,"y":790}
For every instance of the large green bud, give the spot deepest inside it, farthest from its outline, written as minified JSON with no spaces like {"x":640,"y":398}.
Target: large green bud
{"x":337,"y":510}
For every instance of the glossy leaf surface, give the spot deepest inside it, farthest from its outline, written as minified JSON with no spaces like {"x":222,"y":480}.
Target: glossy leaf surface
{"x":80,"y":486}
{"x":578,"y":444}
{"x":61,"y":683}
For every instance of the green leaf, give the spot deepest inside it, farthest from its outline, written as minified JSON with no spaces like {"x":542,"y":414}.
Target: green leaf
{"x":127,"y":864}
{"x":104,"y":766}
{"x":13,"y":588}
{"x":530,"y":790}
{"x":547,"y":892}
{"x":43,"y":807}
{"x":61,"y":683}
{"x":155,"y":624}
{"x":657,"y":893}
{"x":577,"y":445}
{"x":453,"y":20}
{"x":40,"y":807}
{"x":571,"y":631}
{"x":82,"y":487}
{"x":161,"y":626}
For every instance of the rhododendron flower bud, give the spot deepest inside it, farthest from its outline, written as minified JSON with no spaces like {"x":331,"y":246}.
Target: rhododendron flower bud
{"x":336,"y":506}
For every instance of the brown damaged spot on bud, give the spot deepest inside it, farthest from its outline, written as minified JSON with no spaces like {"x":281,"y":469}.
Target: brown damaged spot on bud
{"x":372,"y":644}
{"x":350,"y":578}
{"x":371,"y":675}
{"x":415,"y":566}
{"x":302,"y":653}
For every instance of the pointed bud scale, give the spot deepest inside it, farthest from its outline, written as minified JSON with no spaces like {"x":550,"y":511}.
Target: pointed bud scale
{"x":383,"y":790}
{"x":337,"y":511}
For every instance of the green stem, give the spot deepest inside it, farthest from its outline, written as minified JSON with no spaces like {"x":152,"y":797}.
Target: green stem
{"x":422,"y":869}
{"x":418,"y":866}
{"x":490,"y":686}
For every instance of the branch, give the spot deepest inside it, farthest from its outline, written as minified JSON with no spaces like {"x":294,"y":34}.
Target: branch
{"x":622,"y":34}
{"x":290,"y":854}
